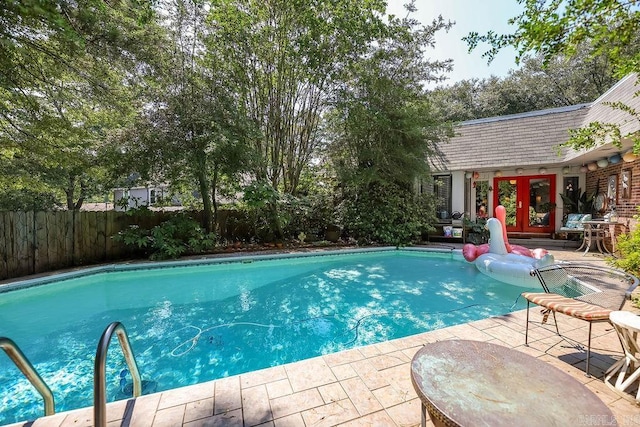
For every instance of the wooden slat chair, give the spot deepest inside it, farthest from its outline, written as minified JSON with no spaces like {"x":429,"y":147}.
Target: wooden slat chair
{"x":585,"y":292}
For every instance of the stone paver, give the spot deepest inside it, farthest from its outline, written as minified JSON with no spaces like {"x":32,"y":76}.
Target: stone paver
{"x":368,"y":386}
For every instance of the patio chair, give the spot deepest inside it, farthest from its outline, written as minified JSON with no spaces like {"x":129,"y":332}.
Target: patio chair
{"x":583,"y":291}
{"x":627,"y":326}
{"x":602,"y":286}
{"x":574,"y":224}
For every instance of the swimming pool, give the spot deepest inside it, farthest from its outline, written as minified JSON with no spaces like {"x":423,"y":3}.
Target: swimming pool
{"x":194,"y":322}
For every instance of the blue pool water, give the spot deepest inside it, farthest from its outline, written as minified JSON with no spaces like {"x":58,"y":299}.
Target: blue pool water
{"x":189,"y":324}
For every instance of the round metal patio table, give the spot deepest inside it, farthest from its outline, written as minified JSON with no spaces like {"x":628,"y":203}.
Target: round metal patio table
{"x":473,"y":383}
{"x":594,"y":235}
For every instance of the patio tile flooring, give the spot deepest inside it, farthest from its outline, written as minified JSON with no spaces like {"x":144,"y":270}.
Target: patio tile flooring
{"x":366,"y":386}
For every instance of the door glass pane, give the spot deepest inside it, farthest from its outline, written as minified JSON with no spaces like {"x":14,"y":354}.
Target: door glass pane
{"x":508,"y":197}
{"x":540,"y":205}
{"x":482,"y":198}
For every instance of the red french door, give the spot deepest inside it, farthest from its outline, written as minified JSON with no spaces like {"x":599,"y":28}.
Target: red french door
{"x":529,"y":201}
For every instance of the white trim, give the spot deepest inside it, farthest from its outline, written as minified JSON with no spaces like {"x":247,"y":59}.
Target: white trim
{"x":527,"y":114}
{"x":614,"y":87}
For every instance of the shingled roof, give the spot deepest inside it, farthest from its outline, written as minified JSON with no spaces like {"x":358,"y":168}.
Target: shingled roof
{"x":533,"y":138}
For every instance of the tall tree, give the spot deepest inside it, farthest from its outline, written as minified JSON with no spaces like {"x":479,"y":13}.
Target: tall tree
{"x":536,"y":85}
{"x":192,"y":131}
{"x":383,"y":131}
{"x":62,"y":83}
{"x":286,"y":60}
{"x":561,"y":80}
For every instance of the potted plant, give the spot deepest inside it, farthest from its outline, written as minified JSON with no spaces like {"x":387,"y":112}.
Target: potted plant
{"x":478,"y":232}
{"x":583,"y":204}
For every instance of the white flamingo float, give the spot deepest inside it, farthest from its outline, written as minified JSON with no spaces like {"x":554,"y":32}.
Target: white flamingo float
{"x":507,"y":263}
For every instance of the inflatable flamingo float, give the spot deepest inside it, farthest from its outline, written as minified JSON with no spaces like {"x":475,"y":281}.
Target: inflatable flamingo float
{"x":471,"y":251}
{"x":504,"y":262}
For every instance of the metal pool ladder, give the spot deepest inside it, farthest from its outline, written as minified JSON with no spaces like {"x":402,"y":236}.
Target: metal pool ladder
{"x":20,"y":360}
{"x":99,"y":384}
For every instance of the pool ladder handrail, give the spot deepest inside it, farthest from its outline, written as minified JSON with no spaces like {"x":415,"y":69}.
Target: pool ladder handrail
{"x":99,"y":383}
{"x":20,"y":360}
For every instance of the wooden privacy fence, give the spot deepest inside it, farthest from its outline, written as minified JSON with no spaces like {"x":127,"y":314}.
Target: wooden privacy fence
{"x":36,"y":242}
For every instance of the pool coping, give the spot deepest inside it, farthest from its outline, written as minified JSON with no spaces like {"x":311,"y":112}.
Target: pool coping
{"x":209,"y":260}
{"x":367,"y":385}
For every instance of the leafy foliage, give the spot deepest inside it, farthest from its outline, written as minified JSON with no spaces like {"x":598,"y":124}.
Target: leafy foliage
{"x":23,"y":199}
{"x":310,"y":215}
{"x":287,"y":58}
{"x":629,"y":247}
{"x":383,"y":129}
{"x":584,"y":204}
{"x":65,"y":83}
{"x":179,"y":235}
{"x":192,"y":132}
{"x":536,"y":85}
{"x":552,"y":28}
{"x":306,"y":102}
{"x":387,"y":214}
{"x":478,"y":231}
{"x":262,"y":201}
{"x":507,"y":198}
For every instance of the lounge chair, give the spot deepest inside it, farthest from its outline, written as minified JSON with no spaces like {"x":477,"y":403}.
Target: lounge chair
{"x":582,"y":291}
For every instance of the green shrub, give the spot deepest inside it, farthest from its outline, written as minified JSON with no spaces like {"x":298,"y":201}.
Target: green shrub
{"x":478,"y":232}
{"x":629,"y":247}
{"x":387,"y":214}
{"x":310,"y":215}
{"x":179,"y":235}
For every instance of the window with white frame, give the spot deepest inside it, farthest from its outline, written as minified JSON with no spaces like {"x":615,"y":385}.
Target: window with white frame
{"x":442,"y":192}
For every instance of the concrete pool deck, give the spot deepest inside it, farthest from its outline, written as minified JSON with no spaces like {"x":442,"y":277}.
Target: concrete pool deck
{"x":366,"y":386}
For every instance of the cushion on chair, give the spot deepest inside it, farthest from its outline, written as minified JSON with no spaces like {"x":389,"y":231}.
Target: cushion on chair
{"x":569,"y":306}
{"x":574,"y":221}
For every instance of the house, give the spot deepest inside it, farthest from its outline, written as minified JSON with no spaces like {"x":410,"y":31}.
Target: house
{"x":150,"y":196}
{"x":515,"y":160}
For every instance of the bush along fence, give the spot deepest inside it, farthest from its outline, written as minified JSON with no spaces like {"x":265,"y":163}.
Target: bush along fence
{"x":37,"y":242}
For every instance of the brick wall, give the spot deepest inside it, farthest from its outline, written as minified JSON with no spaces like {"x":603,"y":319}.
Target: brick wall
{"x":625,"y":207}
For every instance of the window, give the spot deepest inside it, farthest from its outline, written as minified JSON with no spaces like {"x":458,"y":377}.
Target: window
{"x":482,"y":198}
{"x":152,"y":197}
{"x":442,"y":191}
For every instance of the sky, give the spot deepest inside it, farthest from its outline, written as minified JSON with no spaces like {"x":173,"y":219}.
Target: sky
{"x":469,"y":15}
